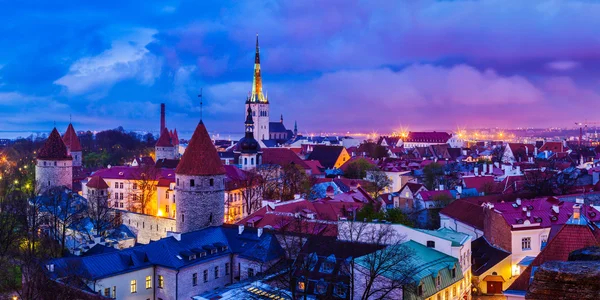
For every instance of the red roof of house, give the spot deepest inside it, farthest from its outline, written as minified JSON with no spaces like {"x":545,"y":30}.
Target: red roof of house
{"x":315,"y":166}
{"x":281,"y":216}
{"x":465,"y":212}
{"x":54,"y":148}
{"x":200,"y":157}
{"x":541,"y":212}
{"x":479,"y":182}
{"x":413,"y":187}
{"x":569,"y":238}
{"x":71,"y":140}
{"x":282,"y":157}
{"x":165,"y":182}
{"x":427,"y":137}
{"x":555,"y":147}
{"x":97,"y":183}
{"x":527,"y":148}
{"x":430,"y":195}
{"x":165,"y":139}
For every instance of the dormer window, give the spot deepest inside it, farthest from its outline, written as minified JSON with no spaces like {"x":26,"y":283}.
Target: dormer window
{"x":420,"y":289}
{"x":328,"y":265}
{"x":321,"y":287}
{"x":339,"y":290}
{"x":438,"y":280}
{"x":454,"y":272}
{"x":312,"y":261}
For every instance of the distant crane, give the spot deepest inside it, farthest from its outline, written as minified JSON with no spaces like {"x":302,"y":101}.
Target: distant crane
{"x":583,"y":125}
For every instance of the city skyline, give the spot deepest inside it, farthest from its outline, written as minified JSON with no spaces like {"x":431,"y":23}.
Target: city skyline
{"x":428,"y":65}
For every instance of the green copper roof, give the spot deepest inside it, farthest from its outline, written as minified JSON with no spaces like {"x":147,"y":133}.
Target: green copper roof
{"x":457,"y":238}
{"x":425,"y":265}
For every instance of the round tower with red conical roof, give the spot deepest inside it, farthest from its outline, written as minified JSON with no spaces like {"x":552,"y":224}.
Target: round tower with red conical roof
{"x":54,"y":166}
{"x":73,"y":146}
{"x":200,"y":184}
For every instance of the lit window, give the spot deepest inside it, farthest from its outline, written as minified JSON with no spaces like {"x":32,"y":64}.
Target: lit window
{"x":167,"y":194}
{"x":135,"y":186}
{"x":107,"y":292}
{"x":301,"y":286}
{"x":148,"y":282}
{"x":167,"y":208}
{"x":133,"y":286}
{"x":161,"y":281}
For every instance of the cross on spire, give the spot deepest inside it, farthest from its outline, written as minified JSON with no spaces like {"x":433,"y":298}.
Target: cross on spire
{"x":200,"y":96}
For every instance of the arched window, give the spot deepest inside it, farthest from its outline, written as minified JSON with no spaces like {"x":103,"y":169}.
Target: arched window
{"x":252,"y":161}
{"x":245,"y":161}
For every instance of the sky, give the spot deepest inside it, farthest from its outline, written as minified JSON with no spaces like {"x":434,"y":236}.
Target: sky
{"x":335,"y":65}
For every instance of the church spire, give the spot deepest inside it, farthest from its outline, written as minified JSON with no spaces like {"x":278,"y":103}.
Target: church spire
{"x":257,"y":93}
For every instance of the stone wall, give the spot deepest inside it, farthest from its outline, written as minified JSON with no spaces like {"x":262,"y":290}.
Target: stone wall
{"x":566,"y":280}
{"x":77,"y":158}
{"x":201,"y":205}
{"x":50,"y":173}
{"x":147,"y":228}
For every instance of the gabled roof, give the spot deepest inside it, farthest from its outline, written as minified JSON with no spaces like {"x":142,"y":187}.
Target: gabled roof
{"x":431,"y":195}
{"x":166,"y":163}
{"x":326,"y":155}
{"x":175,"y":137}
{"x":282,"y":157}
{"x":54,"y":148}
{"x":71,"y":140}
{"x":465,"y":212}
{"x":200,"y":157}
{"x":165,"y":139}
{"x":571,"y":237}
{"x":167,"y":252}
{"x":97,"y":183}
{"x":413,"y":187}
{"x":479,"y":182}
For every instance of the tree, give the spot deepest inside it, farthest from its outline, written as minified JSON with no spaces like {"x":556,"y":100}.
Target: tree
{"x":498,"y":154}
{"x":378,"y":182}
{"x":432,"y":174}
{"x":538,"y":181}
{"x":146,"y":179}
{"x":382,"y":274}
{"x":358,"y":168}
{"x":294,"y":181}
{"x":102,"y":217}
{"x":61,"y":209}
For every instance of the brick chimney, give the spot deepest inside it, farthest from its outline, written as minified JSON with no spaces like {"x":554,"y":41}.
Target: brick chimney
{"x":162,"y":117}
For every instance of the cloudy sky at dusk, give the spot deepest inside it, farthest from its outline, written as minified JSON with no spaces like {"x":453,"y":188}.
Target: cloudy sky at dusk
{"x":330,"y":65}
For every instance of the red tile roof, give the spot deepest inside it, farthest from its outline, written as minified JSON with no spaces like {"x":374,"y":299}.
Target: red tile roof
{"x":165,"y":139}
{"x":54,"y":148}
{"x":282,"y":157}
{"x":554,"y":147}
{"x":465,"y":212}
{"x":200,"y":157}
{"x":97,"y":183}
{"x":430,"y":195}
{"x":427,"y":137}
{"x":525,"y":148}
{"x":414,"y":187}
{"x":479,"y":182}
{"x":315,"y":166}
{"x":570,"y":238}
{"x":71,"y":140}
{"x":541,"y":212}
{"x":133,"y":173}
{"x":175,"y":138}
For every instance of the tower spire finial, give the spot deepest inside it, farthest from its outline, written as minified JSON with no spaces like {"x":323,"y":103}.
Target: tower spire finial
{"x":200,"y":96}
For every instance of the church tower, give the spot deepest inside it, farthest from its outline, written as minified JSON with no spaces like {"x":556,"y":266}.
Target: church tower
{"x":249,"y":147}
{"x":164,"y":148}
{"x":200,"y":184}
{"x":54,"y":166}
{"x":73,"y":146}
{"x":257,"y":102}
